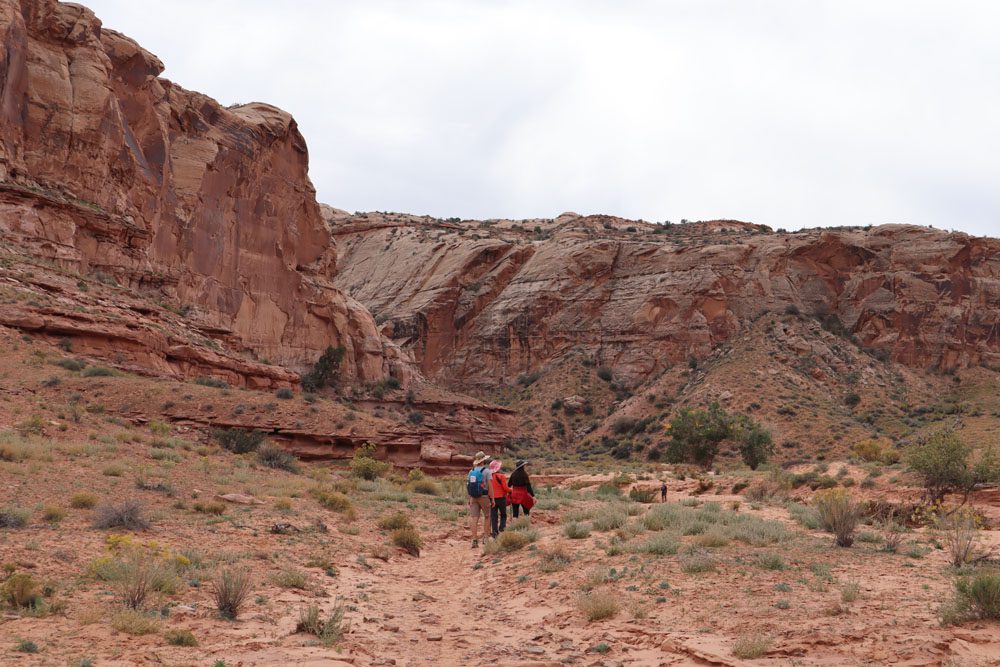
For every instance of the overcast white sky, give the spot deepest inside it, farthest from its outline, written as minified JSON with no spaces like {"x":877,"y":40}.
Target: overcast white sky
{"x":789,"y":113}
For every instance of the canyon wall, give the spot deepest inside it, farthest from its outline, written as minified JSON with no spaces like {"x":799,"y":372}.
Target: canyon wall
{"x":107,"y":169}
{"x":482,"y":302}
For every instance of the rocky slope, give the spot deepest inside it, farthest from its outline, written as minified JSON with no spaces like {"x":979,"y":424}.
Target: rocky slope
{"x":108,"y":169}
{"x":479,"y":301}
{"x":851,"y":327}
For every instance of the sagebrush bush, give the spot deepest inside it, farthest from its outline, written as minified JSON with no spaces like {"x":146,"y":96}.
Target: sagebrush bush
{"x":213,"y":507}
{"x":642,"y":494}
{"x":697,"y":562}
{"x":751,"y":647}
{"x":426,"y":487}
{"x":291,"y":579}
{"x":661,"y":544}
{"x":127,"y":514}
{"x":333,"y":500}
{"x":395,"y":521}
{"x":232,"y":587}
{"x":14,"y":517}
{"x":408,"y":539}
{"x":610,"y":518}
{"x":273,"y":456}
{"x":180,"y":638}
{"x":238,"y":440}
{"x":134,"y":622}
{"x":511,"y":540}
{"x":979,"y":595}
{"x":598,"y":605}
{"x":576,"y":531}
{"x":838,"y":514}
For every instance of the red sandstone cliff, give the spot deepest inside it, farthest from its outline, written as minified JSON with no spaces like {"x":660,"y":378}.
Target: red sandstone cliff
{"x":481,"y":302}
{"x":107,"y":169}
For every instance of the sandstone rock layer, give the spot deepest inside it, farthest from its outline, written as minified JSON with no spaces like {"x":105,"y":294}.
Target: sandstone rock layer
{"x":106,"y":168}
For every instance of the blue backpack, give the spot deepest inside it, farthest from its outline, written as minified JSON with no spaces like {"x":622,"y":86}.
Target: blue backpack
{"x":477,"y":482}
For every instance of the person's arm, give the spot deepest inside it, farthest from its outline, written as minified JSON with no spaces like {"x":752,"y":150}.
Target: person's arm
{"x":489,"y":486}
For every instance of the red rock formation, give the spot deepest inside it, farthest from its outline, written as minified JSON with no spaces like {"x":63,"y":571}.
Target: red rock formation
{"x":485,"y":301}
{"x":106,"y":167}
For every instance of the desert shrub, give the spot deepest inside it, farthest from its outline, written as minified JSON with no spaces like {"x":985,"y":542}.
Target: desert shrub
{"x":868,"y":450}
{"x":510,"y":540}
{"x":75,"y":365}
{"x":284,"y":393}
{"x":764,"y":490}
{"x":82,"y":500}
{"x":333,"y":500}
{"x":290,"y":578}
{"x":697,"y":562}
{"x":408,"y":539}
{"x":978,"y":596}
{"x":329,"y":630}
{"x":661,"y":544}
{"x":695,"y":437}
{"x":942,"y":462}
{"x":98,"y":371}
{"x":134,"y":622}
{"x":753,"y":441}
{"x":850,"y":591}
{"x":426,"y":487}
{"x":21,"y":591}
{"x":959,"y":530}
{"x":838,"y":514}
{"x":273,"y":456}
{"x":128,"y":514}
{"x":136,"y":577}
{"x":852,"y":399}
{"x":806,"y":516}
{"x":555,"y":558}
{"x":180,"y":638}
{"x":610,"y":518}
{"x":605,"y":373}
{"x":642,"y":494}
{"x":324,"y":372}
{"x":751,"y":647}
{"x":770,"y":561}
{"x":53,"y":513}
{"x":238,"y":440}
{"x":232,"y":587}
{"x":365,"y":466}
{"x":14,"y":517}
{"x":26,"y":646}
{"x":598,"y":605}
{"x":213,"y":507}
{"x":576,"y":531}
{"x":395,"y":521}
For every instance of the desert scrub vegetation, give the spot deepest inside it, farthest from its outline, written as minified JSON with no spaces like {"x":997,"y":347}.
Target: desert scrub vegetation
{"x":724,"y":524}
{"x":395,"y":521}
{"x":231,"y":590}
{"x":290,"y":578}
{"x":408,"y":539}
{"x":134,"y":622}
{"x":576,"y":531}
{"x":127,"y":514}
{"x":329,"y":630}
{"x":180,"y":638}
{"x":365,"y":466}
{"x":942,"y":460}
{"x":598,"y":605}
{"x":238,"y":440}
{"x":273,"y":456}
{"x":751,"y":647}
{"x":959,"y":532}
{"x":838,"y":514}
{"x":325,"y":372}
{"x":334,"y":501}
{"x":511,"y":540}
{"x":21,"y":591}
{"x":975,"y":597}
{"x":14,"y":517}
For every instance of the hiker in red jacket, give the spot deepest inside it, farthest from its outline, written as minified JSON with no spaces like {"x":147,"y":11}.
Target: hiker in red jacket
{"x":522,"y":497}
{"x":498,"y":512}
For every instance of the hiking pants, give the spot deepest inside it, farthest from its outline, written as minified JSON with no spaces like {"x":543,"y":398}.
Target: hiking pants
{"x":515,"y":507}
{"x":498,"y":516}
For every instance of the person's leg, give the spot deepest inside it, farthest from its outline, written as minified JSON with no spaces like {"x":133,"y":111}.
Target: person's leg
{"x":474,"y":520}
{"x":527,"y":511}
{"x":502,"y":506}
{"x":495,"y":518}
{"x":486,"y":518}
{"x":513,"y":509}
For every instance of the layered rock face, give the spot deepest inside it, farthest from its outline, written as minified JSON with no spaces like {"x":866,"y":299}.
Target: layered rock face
{"x":107,"y":169}
{"x":481,"y":302}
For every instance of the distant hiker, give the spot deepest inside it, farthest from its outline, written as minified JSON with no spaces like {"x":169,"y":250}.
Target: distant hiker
{"x":663,"y":491}
{"x":498,"y":512}
{"x":522,"y":496}
{"x":480,"y":492}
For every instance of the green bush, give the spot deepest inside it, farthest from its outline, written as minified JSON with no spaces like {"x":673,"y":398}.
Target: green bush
{"x":99,"y":371}
{"x":13,"y":517}
{"x":511,"y":540}
{"x":642,"y":494}
{"x":324,"y":372}
{"x":284,"y":393}
{"x":408,"y":539}
{"x":329,"y":631}
{"x":576,"y":531}
{"x":238,"y":440}
{"x":232,"y":587}
{"x":838,"y":514}
{"x":72,"y":364}
{"x":217,"y":383}
{"x":273,"y":456}
{"x":942,"y":462}
{"x":180,"y":638}
{"x":395,"y":521}
{"x":979,"y":595}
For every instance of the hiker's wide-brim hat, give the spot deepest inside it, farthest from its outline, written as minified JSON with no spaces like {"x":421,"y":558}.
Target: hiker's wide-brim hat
{"x":480,"y":459}
{"x":495,"y":465}
{"x":520,"y":464}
